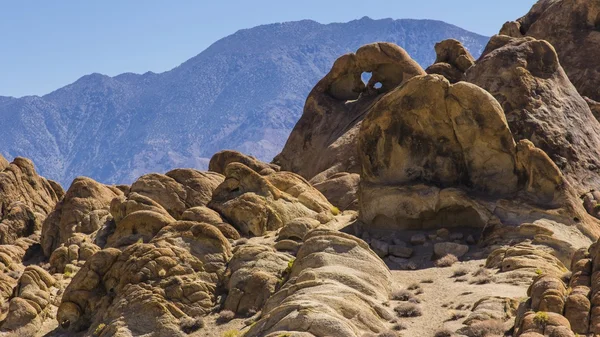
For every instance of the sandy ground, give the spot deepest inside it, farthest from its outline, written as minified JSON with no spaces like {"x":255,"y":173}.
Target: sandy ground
{"x":440,"y":298}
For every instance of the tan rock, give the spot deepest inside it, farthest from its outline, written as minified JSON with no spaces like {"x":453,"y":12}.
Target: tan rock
{"x":84,"y":209}
{"x":324,"y":139}
{"x":220,"y":160}
{"x":542,"y":106}
{"x":255,"y":273}
{"x":334,"y":279}
{"x":452,"y":60}
{"x":26,"y":199}
{"x":255,"y":204}
{"x":571,"y":26}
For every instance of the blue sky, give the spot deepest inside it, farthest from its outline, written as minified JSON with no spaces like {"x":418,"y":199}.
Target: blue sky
{"x":45,"y":45}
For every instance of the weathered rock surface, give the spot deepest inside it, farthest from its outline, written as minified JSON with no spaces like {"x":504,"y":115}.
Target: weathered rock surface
{"x":452,"y":60}
{"x":324,"y":139}
{"x":25,"y":199}
{"x":341,"y":189}
{"x":571,"y":26}
{"x":84,"y":209}
{"x":29,"y":307}
{"x":334,"y":279}
{"x":541,"y":105}
{"x":428,"y":145}
{"x":255,"y":204}
{"x":148,"y":288}
{"x":572,"y":307}
{"x":220,"y":160}
{"x":256,"y":271}
{"x":179,"y":189}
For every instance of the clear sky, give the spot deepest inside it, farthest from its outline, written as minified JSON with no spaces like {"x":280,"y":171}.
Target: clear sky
{"x":45,"y":45}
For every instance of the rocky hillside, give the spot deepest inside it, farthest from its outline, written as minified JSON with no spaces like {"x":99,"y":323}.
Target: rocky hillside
{"x":244,"y":92}
{"x":459,"y":200}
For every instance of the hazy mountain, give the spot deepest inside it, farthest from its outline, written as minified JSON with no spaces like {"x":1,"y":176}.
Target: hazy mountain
{"x":244,"y":92}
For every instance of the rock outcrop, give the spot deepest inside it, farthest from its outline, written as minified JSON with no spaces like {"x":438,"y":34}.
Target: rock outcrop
{"x":431,"y":149}
{"x":541,"y":105}
{"x":334,"y":280}
{"x":452,"y":60}
{"x":25,"y":199}
{"x":571,"y":307}
{"x":84,"y":209}
{"x":28,"y":309}
{"x":255,"y":204}
{"x":179,"y":189}
{"x":324,"y":139}
{"x":572,"y":27}
{"x":256,"y":272}
{"x":148,"y":287}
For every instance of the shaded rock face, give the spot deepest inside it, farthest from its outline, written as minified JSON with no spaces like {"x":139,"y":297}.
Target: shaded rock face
{"x":327,"y":290}
{"x":572,"y":27}
{"x":255,"y":204}
{"x":324,"y":139}
{"x":542,"y":105}
{"x":148,"y":288}
{"x":452,"y":60}
{"x":341,"y":189}
{"x":25,"y":199}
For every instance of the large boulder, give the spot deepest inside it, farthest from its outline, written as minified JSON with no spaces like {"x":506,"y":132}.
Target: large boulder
{"x":541,"y":105}
{"x":255,"y":273}
{"x":179,"y":189}
{"x":148,"y":288}
{"x":220,"y":160}
{"x":25,"y":199}
{"x":255,"y":204}
{"x":452,"y":60}
{"x":431,"y":149}
{"x":31,"y":304}
{"x":334,"y":280}
{"x":324,"y":139}
{"x":84,"y":209}
{"x":572,"y":27}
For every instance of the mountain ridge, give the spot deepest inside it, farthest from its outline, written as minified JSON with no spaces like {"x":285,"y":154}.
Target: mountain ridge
{"x":244,"y":92}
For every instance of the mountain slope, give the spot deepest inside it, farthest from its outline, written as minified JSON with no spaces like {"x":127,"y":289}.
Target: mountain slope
{"x":244,"y":92}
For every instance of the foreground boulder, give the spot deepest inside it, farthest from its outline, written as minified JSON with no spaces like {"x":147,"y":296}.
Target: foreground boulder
{"x":146,"y":289}
{"x":334,"y":279}
{"x":570,"y":307}
{"x":571,"y":26}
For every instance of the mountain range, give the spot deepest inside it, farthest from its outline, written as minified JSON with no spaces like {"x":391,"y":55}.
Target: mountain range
{"x":245,"y":92}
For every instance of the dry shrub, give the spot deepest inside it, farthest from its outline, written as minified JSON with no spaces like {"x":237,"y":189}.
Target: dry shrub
{"x":225,"y":316}
{"x":402,"y":295}
{"x":444,"y":333}
{"x":461,"y":271}
{"x":408,"y":310}
{"x":446,"y":261}
{"x":189,"y":324}
{"x":487,"y":328}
